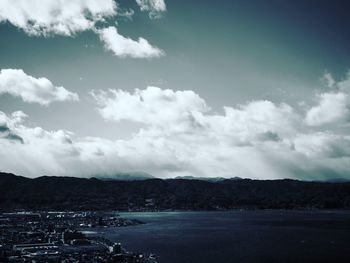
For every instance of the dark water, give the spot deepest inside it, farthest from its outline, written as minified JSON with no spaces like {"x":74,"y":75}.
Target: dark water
{"x":239,"y":236}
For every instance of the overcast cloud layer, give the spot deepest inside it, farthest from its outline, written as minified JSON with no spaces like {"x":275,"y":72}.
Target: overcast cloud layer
{"x":70,"y":17}
{"x":181,"y":135}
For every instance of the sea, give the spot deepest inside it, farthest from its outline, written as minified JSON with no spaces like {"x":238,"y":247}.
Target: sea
{"x":238,"y":236}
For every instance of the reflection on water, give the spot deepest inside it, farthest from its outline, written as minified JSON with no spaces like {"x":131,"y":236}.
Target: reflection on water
{"x":239,"y":236}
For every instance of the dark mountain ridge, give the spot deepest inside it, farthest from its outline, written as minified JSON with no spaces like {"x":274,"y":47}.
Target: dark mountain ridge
{"x":71,"y":193}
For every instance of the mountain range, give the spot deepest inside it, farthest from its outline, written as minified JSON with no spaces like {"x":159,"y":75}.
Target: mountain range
{"x":70,"y":193}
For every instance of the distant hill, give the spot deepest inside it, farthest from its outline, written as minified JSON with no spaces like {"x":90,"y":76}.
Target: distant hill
{"x":132,"y":176}
{"x":210,"y":179}
{"x":70,"y":193}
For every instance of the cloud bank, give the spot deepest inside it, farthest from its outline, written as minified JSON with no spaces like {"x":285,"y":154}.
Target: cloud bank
{"x":70,"y":17}
{"x":33,"y":90}
{"x":181,"y":135}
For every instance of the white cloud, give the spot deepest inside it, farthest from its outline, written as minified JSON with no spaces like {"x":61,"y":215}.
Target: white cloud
{"x":33,"y":90}
{"x":181,"y":135}
{"x":6,"y":122}
{"x":323,"y":145}
{"x":154,"y":7}
{"x":126,"y":47}
{"x":127,"y":14}
{"x":41,"y":152}
{"x":182,"y":129}
{"x":62,"y":17}
{"x":152,"y":106}
{"x":69,"y":17}
{"x":254,"y":122}
{"x":219,"y":145}
{"x":15,"y":118}
{"x":186,"y":111}
{"x":332,"y":107}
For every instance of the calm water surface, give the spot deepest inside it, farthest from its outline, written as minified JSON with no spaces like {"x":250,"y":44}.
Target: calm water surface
{"x":239,"y":236}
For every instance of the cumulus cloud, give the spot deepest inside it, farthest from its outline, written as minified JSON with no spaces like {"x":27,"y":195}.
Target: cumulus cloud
{"x":323,"y":145}
{"x":64,"y":17}
{"x":41,"y":152}
{"x":69,"y":17}
{"x":126,"y":47}
{"x":181,"y":135}
{"x":154,"y":7}
{"x":7,"y":134}
{"x":196,"y":140}
{"x":152,"y":106}
{"x":332,"y":107}
{"x":33,"y":90}
{"x":254,"y":122}
{"x":6,"y":122}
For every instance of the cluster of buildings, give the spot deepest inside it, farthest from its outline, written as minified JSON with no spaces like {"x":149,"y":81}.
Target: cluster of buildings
{"x":56,"y":237}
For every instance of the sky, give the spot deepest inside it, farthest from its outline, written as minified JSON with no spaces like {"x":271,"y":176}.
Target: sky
{"x":231,"y":88}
